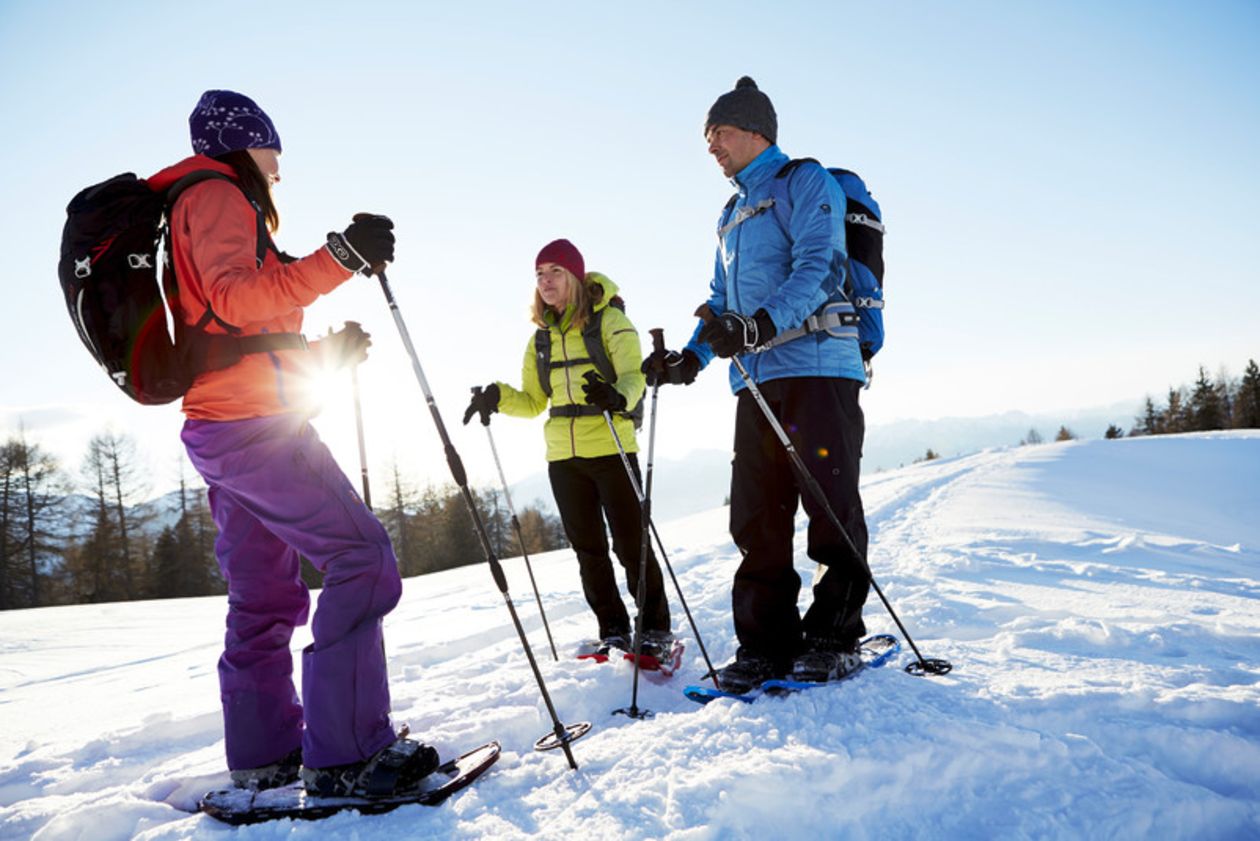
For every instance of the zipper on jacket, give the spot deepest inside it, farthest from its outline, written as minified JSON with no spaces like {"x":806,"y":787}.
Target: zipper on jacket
{"x":568,"y":390}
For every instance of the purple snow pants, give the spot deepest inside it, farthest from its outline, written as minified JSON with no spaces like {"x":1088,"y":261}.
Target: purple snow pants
{"x":275,"y":492}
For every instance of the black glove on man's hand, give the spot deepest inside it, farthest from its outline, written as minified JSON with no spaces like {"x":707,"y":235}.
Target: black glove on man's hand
{"x":348,"y":346}
{"x":671,"y":367}
{"x":485,"y":401}
{"x":366,"y":246}
{"x":731,"y":333}
{"x":602,"y":395}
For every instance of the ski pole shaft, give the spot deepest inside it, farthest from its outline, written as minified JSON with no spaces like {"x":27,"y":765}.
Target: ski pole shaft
{"x":926,"y":666}
{"x":358,"y":425}
{"x":562,"y":735}
{"x":520,"y":535}
{"x":658,"y":346}
{"x":644,"y":512}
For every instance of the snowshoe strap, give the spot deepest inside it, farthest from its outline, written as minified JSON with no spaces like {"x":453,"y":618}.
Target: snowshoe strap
{"x":387,"y":767}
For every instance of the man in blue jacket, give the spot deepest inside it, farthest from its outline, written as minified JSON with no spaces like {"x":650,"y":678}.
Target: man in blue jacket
{"x":777,"y":302}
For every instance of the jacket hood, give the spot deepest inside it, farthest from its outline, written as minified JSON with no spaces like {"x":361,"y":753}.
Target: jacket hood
{"x":164,"y":178}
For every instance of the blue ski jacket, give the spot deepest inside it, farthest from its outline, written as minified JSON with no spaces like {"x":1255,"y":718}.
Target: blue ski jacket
{"x":790,"y":273}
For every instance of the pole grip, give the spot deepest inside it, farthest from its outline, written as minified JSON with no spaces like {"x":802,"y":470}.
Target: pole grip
{"x":658,"y":339}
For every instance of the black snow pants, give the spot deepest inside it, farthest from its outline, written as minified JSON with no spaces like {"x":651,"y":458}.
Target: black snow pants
{"x":588,"y":490}
{"x":824,"y":421}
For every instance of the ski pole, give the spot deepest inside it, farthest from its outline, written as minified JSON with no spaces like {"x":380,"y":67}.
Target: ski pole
{"x":658,"y":344}
{"x":634,"y":483}
{"x":516,"y":524}
{"x":932,"y":666}
{"x":561,"y":734}
{"x":645,"y":509}
{"x":358,"y":425}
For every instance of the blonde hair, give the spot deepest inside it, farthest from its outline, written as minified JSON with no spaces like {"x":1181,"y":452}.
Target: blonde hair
{"x":583,"y":295}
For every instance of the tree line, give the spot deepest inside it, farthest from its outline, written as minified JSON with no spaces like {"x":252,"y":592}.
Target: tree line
{"x":94,"y":536}
{"x":1223,"y":403}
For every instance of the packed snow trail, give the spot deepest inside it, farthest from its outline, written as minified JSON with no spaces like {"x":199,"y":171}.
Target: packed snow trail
{"x":1100,"y":602}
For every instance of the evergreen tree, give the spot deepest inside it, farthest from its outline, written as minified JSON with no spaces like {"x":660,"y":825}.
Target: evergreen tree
{"x":1064,"y":434}
{"x":1205,"y":411}
{"x":165,"y":566}
{"x":1246,"y":413}
{"x":1033,"y":437}
{"x":1175,"y":418}
{"x":1150,"y":422}
{"x":1113,"y":432}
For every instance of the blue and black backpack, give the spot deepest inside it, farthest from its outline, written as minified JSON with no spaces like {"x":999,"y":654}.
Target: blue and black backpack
{"x":864,"y":236}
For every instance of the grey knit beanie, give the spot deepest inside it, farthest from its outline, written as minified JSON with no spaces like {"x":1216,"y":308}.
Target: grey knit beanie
{"x":745,"y":107}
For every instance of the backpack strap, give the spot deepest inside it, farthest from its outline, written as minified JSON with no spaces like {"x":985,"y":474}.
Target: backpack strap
{"x":542,"y":359}
{"x":597,"y":355}
{"x":743,"y":214}
{"x":258,"y":343}
{"x":592,"y":337}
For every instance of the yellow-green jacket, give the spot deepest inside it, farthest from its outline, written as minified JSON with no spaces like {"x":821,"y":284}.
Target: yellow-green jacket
{"x":585,"y":436}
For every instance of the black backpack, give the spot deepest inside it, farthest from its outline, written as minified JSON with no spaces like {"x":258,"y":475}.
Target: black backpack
{"x":592,"y":337}
{"x":110,"y":249}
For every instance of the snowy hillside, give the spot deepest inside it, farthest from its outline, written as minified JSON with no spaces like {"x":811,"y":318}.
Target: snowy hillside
{"x":1100,"y":602}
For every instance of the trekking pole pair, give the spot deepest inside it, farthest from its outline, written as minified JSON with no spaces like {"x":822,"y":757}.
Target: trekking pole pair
{"x":644,"y":495}
{"x":924,"y":666}
{"x":561,"y":735}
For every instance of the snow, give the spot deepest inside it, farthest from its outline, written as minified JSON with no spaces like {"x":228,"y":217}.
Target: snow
{"x":1099,"y":601}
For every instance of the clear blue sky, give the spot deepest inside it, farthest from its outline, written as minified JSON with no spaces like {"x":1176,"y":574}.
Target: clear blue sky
{"x":1072,"y":190}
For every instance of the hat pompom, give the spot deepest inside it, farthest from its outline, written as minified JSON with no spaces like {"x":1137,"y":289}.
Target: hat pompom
{"x":745,"y":82}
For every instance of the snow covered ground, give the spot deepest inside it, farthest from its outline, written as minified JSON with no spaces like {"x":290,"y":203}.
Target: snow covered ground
{"x":1100,"y":602}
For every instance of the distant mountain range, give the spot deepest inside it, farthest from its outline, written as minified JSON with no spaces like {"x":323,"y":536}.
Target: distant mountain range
{"x":701,"y":480}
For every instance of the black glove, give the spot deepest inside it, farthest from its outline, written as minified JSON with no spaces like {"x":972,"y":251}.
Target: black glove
{"x":602,"y":395}
{"x":671,"y":367}
{"x":348,"y":346}
{"x":731,"y":333}
{"x":366,"y":246}
{"x":484,"y":401}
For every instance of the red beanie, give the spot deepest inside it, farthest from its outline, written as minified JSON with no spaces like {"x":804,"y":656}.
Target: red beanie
{"x":563,"y":253}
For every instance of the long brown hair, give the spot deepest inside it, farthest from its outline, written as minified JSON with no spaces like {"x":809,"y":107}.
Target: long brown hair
{"x":254,"y":183}
{"x":584,"y":294}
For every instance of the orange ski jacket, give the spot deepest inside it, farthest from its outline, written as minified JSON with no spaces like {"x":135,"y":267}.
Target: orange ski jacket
{"x":214,"y":238}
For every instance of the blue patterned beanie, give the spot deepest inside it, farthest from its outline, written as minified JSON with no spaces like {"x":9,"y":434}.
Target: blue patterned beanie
{"x":225,"y":121}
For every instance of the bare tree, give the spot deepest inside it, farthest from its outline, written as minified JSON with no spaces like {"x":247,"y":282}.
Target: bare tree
{"x":32,"y":491}
{"x":110,"y":560}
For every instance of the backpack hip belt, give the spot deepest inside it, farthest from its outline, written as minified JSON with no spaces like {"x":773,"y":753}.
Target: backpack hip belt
{"x":575,"y":410}
{"x":838,"y":319}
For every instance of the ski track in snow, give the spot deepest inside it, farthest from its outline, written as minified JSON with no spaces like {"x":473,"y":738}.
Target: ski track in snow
{"x":1098,"y":600}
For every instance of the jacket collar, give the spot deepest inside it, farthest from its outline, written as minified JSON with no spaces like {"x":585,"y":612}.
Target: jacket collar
{"x":164,"y":178}
{"x":761,"y":169}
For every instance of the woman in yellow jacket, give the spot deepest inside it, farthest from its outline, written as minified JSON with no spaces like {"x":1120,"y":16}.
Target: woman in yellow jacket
{"x":587,"y":476}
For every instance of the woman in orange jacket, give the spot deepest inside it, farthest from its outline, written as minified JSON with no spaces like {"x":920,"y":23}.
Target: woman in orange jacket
{"x":275,"y":490}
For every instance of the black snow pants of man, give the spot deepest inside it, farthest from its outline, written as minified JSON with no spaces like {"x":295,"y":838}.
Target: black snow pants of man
{"x":587,"y":491}
{"x":822,"y":418}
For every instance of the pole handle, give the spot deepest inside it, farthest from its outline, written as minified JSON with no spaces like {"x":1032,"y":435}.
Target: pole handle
{"x":704,"y":313}
{"x":658,"y":339}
